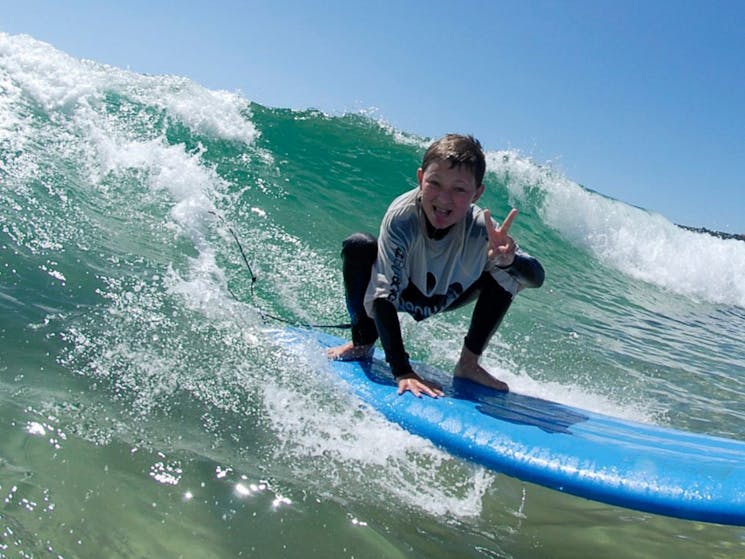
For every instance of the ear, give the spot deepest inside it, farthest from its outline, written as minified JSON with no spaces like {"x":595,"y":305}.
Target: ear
{"x":479,"y":192}
{"x":419,"y":175}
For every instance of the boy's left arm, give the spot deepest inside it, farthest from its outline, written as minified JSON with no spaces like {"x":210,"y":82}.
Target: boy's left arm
{"x":527,"y":270}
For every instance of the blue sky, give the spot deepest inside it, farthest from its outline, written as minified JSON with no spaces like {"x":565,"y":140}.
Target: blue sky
{"x":643,"y":101}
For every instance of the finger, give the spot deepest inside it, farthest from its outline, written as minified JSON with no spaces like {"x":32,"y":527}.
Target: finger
{"x":429,"y":392}
{"x":490,"y":227}
{"x":507,"y":223}
{"x":414,"y":388}
{"x":432,"y":390}
{"x":507,"y":245}
{"x":404,"y":386}
{"x":409,"y":385}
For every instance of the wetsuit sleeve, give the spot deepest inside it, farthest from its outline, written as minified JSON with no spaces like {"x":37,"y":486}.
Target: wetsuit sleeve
{"x":526,"y":270}
{"x":389,"y":330}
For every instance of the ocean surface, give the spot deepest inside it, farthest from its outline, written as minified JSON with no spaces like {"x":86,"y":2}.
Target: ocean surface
{"x":146,"y":411}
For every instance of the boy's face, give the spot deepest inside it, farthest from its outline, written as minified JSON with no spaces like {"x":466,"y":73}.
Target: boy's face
{"x":447,"y":193}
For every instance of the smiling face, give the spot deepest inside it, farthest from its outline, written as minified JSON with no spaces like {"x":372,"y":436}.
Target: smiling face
{"x":447,"y":192}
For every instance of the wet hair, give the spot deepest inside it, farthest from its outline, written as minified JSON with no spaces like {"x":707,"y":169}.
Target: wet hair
{"x":460,"y":151}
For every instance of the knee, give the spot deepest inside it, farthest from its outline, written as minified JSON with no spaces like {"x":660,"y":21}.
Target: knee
{"x":360,"y":248}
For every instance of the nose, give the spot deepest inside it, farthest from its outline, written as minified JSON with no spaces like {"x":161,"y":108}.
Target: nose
{"x":445,"y":196}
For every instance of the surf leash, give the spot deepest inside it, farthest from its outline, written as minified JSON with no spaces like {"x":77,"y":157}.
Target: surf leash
{"x":265,"y":315}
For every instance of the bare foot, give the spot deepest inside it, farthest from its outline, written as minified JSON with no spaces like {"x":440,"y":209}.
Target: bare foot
{"x":350,"y":352}
{"x":468,"y":367}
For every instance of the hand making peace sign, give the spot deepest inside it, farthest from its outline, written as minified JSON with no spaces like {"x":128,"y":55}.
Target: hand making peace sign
{"x":501,"y":246}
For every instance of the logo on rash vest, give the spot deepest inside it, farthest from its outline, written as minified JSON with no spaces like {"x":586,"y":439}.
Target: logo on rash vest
{"x":419,"y":306}
{"x":399,"y":261}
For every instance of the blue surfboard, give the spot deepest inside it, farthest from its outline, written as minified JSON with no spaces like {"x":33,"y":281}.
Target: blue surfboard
{"x":611,"y":460}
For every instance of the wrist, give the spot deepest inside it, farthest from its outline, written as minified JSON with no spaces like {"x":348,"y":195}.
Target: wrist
{"x":503,"y":265}
{"x":401,"y":367}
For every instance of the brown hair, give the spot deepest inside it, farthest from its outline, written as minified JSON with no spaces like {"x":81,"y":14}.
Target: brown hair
{"x":459,"y":150}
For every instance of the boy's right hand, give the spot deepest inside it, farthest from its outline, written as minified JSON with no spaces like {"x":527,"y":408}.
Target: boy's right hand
{"x":417,"y":386}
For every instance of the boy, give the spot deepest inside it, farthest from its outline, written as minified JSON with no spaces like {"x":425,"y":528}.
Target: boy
{"x":437,"y":251}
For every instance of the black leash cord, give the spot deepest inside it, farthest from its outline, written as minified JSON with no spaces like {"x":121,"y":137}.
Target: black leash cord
{"x":265,"y":315}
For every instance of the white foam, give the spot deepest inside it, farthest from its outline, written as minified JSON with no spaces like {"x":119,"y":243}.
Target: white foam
{"x":59,"y":82}
{"x":329,"y":441}
{"x":642,"y":244}
{"x":578,"y":397}
{"x":202,"y":287}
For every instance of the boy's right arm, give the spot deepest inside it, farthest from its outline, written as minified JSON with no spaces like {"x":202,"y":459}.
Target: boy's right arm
{"x":527,"y":270}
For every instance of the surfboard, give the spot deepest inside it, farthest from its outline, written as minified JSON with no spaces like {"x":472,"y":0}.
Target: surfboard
{"x":607,"y":459}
